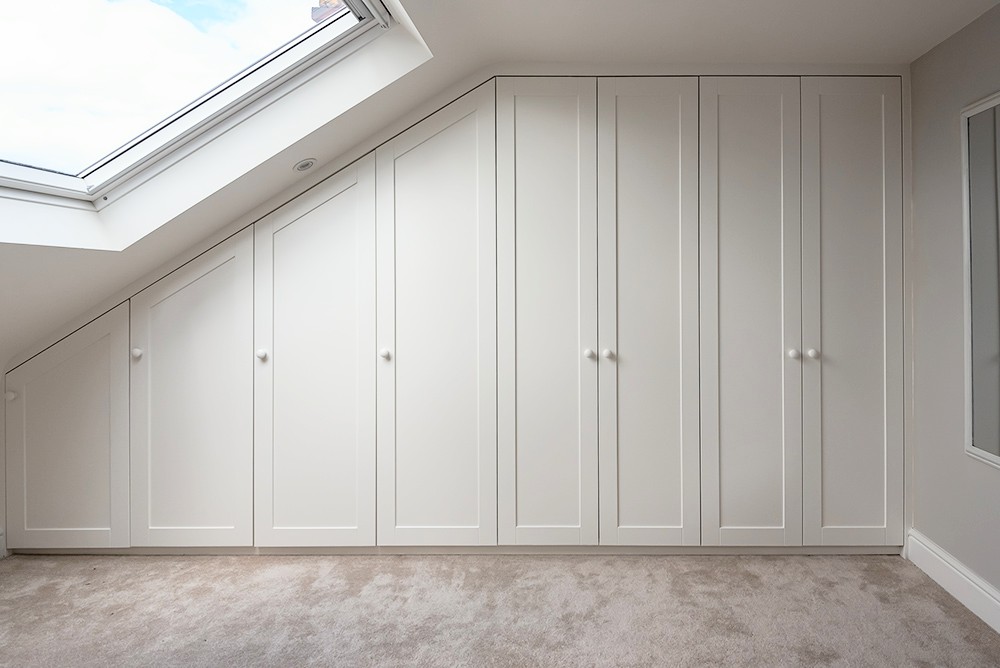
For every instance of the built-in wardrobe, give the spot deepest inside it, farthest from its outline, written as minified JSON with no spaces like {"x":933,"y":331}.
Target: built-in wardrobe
{"x":636,"y":311}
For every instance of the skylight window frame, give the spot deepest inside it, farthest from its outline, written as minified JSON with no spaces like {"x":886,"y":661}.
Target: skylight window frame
{"x":199,"y":116}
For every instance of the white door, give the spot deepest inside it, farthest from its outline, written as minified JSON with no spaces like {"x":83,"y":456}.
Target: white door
{"x":547,"y":235}
{"x":751,"y":369}
{"x":648,"y":310}
{"x":192,"y":402}
{"x":67,"y":441}
{"x":852,"y":319}
{"x":314,"y":444}
{"x":436,"y":241}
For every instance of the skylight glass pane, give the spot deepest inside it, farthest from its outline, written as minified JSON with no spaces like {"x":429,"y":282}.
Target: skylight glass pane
{"x":81,"y":78}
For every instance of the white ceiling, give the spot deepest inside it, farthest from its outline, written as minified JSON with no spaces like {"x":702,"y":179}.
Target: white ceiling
{"x":630,"y":32}
{"x":43,"y":288}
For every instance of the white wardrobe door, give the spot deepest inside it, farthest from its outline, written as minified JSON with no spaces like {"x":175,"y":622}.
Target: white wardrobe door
{"x":750,"y":310}
{"x":192,"y":402}
{"x":436,"y":239}
{"x":648,"y":310}
{"x":314,"y":444}
{"x":67,"y":441}
{"x":546,"y":161}
{"x":852,"y":311}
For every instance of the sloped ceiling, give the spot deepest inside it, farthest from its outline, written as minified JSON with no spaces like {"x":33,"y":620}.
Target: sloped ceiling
{"x":43,"y":288}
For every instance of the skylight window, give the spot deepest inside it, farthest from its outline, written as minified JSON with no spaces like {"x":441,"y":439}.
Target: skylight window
{"x":82,"y":82}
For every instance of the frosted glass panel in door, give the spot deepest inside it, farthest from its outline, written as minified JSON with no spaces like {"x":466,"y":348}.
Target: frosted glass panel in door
{"x":983,"y":196}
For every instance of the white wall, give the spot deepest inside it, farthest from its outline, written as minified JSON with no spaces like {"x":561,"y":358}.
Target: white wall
{"x":956,"y":499}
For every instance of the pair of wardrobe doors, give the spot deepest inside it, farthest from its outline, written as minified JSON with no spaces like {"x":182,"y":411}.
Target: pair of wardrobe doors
{"x":598,"y":301}
{"x":376,"y":317}
{"x":801,"y":311}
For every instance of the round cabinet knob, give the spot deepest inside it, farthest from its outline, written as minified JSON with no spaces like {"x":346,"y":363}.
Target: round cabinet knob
{"x":794,"y":354}
{"x":137,"y":353}
{"x":607,"y":354}
{"x":10,"y":396}
{"x":262,"y":354}
{"x":813,"y":353}
{"x":385,"y":354}
{"x":590,"y":354}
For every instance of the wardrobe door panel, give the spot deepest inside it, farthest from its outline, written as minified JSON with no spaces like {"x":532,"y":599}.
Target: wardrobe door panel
{"x":67,"y":441}
{"x":852,"y":310}
{"x":436,"y":239}
{"x":546,"y":143}
{"x":648,"y":310}
{"x":192,"y":402}
{"x":315,"y":386}
{"x":750,"y":311}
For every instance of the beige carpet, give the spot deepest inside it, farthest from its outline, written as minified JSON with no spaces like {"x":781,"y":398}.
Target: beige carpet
{"x":482,"y":611}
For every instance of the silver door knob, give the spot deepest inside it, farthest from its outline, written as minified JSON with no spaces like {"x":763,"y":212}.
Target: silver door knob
{"x":137,"y":353}
{"x":385,"y":354}
{"x":813,"y":353}
{"x":590,"y":354}
{"x":794,"y":354}
{"x":607,"y":354}
{"x":261,"y":354}
{"x":10,"y":396}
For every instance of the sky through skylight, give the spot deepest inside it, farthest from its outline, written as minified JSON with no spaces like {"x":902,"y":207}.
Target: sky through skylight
{"x":81,"y":78}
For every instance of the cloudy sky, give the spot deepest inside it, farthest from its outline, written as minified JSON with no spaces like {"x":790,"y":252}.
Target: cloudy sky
{"x":79,"y":78}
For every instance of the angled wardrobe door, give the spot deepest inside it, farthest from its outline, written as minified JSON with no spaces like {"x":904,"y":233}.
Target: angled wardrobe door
{"x":314,"y":464}
{"x":750,"y":312}
{"x":192,"y":402}
{"x":852,"y":316}
{"x":547,"y":236}
{"x":67,"y":441}
{"x":436,"y":333}
{"x":648,"y":310}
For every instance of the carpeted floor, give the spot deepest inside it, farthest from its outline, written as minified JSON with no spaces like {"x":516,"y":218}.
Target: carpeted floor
{"x":482,"y":611}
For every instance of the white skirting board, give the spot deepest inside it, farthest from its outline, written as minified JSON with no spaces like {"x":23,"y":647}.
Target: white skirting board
{"x":972,"y":591}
